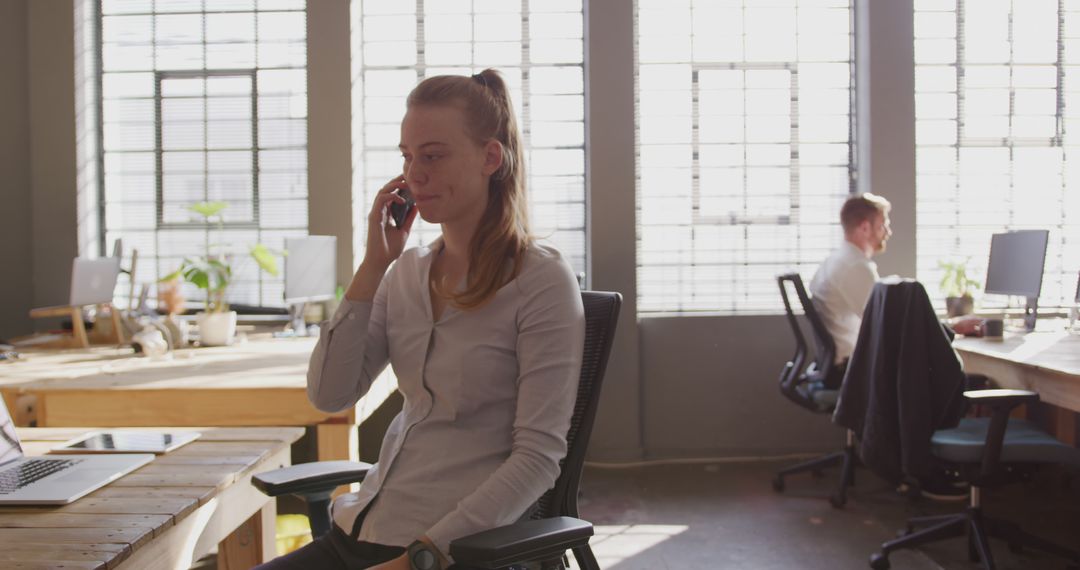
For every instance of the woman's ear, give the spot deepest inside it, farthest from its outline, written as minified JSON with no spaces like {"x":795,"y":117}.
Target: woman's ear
{"x":493,"y":157}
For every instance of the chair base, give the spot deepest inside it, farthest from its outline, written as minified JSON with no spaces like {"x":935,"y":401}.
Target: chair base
{"x":977,"y":528}
{"x":846,"y":458}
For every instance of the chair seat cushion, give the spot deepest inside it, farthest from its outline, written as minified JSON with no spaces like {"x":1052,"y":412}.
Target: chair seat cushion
{"x":1024,"y":443}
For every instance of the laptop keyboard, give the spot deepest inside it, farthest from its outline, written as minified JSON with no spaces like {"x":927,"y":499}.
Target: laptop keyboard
{"x":17,"y":477}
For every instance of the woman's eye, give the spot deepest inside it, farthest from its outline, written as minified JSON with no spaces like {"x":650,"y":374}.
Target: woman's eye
{"x":430,"y":157}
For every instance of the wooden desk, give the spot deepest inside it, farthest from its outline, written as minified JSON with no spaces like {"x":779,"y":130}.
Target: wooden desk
{"x":1046,"y":362}
{"x":165,"y":515}
{"x":256,"y":383}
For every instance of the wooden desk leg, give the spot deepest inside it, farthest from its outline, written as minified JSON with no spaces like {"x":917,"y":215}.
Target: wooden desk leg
{"x":78,"y":328}
{"x":1065,"y":426}
{"x":338,"y":442}
{"x":118,"y":332}
{"x":253,"y":543}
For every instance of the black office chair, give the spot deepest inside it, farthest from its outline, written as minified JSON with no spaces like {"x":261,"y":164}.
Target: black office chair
{"x":987,"y":452}
{"x":553,"y":528}
{"x":803,"y":382}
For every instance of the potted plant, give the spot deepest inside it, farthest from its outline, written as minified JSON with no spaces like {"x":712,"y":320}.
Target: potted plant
{"x":212,"y":272}
{"x":957,"y":287}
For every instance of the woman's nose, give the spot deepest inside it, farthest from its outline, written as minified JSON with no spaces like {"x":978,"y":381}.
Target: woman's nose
{"x":414,"y":174}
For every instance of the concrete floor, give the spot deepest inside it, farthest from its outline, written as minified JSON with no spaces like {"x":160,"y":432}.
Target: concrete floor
{"x":727,"y":516}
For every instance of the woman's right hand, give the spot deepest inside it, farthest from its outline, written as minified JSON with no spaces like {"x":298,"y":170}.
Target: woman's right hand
{"x":385,"y":242}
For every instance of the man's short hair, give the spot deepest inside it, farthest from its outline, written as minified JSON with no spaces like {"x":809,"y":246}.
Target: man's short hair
{"x":860,"y":208}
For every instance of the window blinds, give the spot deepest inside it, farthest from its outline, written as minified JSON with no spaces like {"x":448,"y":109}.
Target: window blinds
{"x":744,"y":147}
{"x":997,"y":116}
{"x":536,"y":45}
{"x":204,"y":101}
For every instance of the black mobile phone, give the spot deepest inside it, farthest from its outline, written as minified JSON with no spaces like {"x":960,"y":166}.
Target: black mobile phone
{"x":401,"y":211}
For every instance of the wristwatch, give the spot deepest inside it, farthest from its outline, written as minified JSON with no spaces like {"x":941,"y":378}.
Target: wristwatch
{"x":422,"y":556}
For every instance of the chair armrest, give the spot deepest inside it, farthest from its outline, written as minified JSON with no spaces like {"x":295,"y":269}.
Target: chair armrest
{"x":520,"y":542}
{"x":1001,"y":398}
{"x":310,"y":477}
{"x":1001,"y":402}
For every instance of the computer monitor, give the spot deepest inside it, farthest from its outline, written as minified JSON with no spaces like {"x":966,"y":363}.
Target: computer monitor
{"x":310,"y":274}
{"x":1016,"y":267}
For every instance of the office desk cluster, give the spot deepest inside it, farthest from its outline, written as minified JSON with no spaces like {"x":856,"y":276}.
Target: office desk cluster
{"x":255,"y":383}
{"x":1046,"y":362}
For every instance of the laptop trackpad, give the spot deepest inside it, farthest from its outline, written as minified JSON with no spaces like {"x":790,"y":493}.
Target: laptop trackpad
{"x":86,"y":476}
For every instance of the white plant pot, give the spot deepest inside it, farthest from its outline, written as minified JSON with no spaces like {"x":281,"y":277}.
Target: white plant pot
{"x":216,"y":329}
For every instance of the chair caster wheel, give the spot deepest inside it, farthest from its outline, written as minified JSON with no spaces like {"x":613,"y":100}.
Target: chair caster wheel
{"x":778,"y":485}
{"x":879,"y":561}
{"x":837,"y":501}
{"x":904,"y":532}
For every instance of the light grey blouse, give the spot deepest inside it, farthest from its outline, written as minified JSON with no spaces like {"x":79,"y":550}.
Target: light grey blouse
{"x":488,"y":397}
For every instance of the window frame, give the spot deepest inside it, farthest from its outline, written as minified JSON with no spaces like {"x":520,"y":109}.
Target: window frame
{"x":159,"y":152}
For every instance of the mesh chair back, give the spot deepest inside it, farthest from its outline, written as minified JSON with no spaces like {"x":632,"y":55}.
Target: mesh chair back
{"x":797,"y":371}
{"x":601,"y":317}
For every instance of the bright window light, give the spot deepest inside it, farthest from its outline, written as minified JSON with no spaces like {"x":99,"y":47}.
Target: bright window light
{"x":538,"y":47}
{"x":996,"y":144}
{"x":744,"y":148}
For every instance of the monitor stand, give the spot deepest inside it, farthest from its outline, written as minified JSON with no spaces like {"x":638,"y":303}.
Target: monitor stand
{"x":296,"y":326}
{"x":1031,"y":310}
{"x":1021,"y":324}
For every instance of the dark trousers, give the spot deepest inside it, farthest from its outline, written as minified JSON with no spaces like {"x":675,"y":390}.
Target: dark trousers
{"x":335,"y":550}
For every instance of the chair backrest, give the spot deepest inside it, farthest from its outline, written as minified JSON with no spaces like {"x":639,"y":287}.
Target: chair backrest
{"x":601,"y":317}
{"x":797,"y":370}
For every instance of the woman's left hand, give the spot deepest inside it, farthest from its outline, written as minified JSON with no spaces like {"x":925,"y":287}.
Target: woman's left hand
{"x":399,"y":563}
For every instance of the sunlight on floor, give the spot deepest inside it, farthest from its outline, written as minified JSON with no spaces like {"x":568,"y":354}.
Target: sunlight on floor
{"x":613,"y":544}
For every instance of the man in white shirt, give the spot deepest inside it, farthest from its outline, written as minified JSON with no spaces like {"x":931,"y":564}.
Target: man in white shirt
{"x":842,"y":284}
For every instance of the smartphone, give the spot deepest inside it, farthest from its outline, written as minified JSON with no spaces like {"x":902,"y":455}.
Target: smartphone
{"x":398,"y":212}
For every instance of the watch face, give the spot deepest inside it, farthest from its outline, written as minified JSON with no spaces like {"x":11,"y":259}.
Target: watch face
{"x":423,"y":559}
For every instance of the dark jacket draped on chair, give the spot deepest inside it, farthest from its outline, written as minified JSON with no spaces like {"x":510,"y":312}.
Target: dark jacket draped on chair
{"x":903,"y":382}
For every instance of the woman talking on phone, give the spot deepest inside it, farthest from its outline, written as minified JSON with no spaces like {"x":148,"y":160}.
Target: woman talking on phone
{"x":484,"y":330}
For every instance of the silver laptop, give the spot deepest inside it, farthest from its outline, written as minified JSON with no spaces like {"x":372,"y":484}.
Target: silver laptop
{"x":55,"y":479}
{"x":93,"y":280}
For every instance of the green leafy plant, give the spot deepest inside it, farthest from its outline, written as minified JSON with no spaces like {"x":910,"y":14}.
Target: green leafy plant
{"x":212,"y":271}
{"x":955,"y":281}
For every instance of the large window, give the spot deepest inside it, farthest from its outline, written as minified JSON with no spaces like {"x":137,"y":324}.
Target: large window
{"x":997,"y":93}
{"x":538,"y":47}
{"x":744,"y":147}
{"x":204,"y":101}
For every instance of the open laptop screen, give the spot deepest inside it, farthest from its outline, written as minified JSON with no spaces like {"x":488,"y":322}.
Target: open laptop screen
{"x":93,"y":280}
{"x":10,"y":448}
